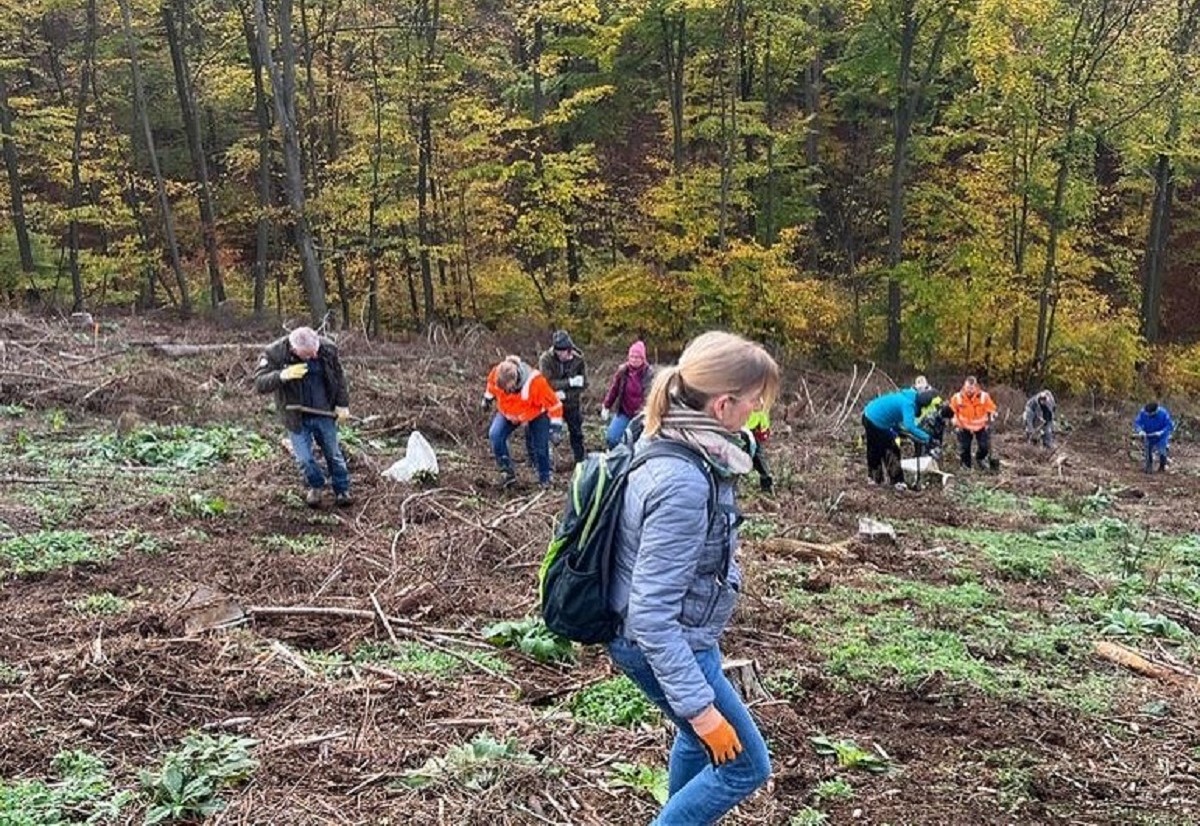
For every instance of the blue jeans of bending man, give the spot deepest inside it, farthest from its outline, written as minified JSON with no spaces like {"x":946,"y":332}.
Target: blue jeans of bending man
{"x":323,"y":431}
{"x":616,"y":429}
{"x":700,"y":793}
{"x":537,"y":443}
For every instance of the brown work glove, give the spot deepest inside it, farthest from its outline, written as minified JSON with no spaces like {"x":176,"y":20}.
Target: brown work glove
{"x":719,"y":739}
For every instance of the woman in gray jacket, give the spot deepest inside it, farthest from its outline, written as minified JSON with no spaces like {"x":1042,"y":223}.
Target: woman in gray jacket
{"x":676,"y":577}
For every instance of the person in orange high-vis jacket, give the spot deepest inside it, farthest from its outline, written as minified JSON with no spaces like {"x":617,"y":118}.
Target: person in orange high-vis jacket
{"x":974,"y":412}
{"x":522,"y":396}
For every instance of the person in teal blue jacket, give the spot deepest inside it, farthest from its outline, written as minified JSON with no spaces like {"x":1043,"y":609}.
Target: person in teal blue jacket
{"x":885,"y":419}
{"x":1155,"y":426}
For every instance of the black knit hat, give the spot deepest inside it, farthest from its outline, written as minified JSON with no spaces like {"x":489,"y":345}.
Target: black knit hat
{"x":1151,"y":408}
{"x":562,"y":340}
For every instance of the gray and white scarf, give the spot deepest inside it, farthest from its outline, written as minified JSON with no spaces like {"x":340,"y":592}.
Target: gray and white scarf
{"x":702,"y":431}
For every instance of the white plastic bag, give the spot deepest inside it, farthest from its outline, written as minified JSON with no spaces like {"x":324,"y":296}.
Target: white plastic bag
{"x":418,"y":459}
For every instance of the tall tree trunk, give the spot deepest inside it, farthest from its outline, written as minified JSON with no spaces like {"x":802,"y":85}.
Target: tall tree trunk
{"x":674,"y":47}
{"x":262,"y":114}
{"x":1159,"y":234}
{"x":164,"y":203}
{"x":372,"y":322}
{"x":191,"y":125}
{"x":85,"y":82}
{"x":13,"y":168}
{"x":1047,"y":295}
{"x":428,"y":11}
{"x":283,"y":83}
{"x":813,"y":73}
{"x":901,"y":132}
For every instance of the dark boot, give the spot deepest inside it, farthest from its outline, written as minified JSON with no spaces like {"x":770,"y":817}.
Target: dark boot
{"x":313,"y":498}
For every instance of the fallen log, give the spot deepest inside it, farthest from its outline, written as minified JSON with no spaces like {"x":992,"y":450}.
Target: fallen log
{"x":1128,"y":658}
{"x":830,"y":552}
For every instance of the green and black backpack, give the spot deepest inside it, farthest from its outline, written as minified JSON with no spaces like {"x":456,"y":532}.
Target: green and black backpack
{"x":576,"y":573}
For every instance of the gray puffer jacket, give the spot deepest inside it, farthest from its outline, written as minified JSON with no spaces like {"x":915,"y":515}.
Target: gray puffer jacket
{"x":676,"y":578}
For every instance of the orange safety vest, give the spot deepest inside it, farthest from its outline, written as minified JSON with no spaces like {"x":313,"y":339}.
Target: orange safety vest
{"x":972,"y":412}
{"x":535,"y":397}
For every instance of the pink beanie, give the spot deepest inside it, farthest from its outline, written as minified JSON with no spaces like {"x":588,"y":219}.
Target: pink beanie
{"x":637,"y":350}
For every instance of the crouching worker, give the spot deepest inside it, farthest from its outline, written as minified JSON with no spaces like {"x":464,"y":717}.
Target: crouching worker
{"x":885,"y":419}
{"x":676,"y":576}
{"x":1039,"y":419}
{"x":1155,"y":426}
{"x":522,"y":397}
{"x":302,"y":369}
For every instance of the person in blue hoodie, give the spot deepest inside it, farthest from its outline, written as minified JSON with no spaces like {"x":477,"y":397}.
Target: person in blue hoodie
{"x":1154,"y":425}
{"x":885,"y":419}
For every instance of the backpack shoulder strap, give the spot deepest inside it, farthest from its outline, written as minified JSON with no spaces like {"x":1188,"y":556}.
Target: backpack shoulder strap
{"x":667,"y":447}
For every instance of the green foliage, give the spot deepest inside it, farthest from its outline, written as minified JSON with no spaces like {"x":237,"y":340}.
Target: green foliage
{"x":784,"y":683}
{"x":530,"y":636}
{"x":43,"y":551}
{"x":477,"y":765}
{"x":191,"y":778}
{"x":1125,"y":622}
{"x":10,"y":675}
{"x":836,"y":789}
{"x":308,"y":543}
{"x":81,"y":794}
{"x":101,"y":605}
{"x":849,"y":755}
{"x":650,"y":780}
{"x":614,"y":702}
{"x":181,"y":447}
{"x":203,"y":505}
{"x":808,"y":816}
{"x":414,"y":658}
{"x":757,"y":528}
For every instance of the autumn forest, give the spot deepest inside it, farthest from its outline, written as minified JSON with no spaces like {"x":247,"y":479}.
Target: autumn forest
{"x":1009,"y":185}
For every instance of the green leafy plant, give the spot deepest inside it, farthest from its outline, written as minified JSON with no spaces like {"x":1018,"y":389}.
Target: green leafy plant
{"x":309,"y":543}
{"x":758,"y":528}
{"x":614,"y":702}
{"x":836,"y":789}
{"x":81,"y":793}
{"x":849,"y":755}
{"x":476,"y":765}
{"x":784,"y":683}
{"x":530,"y":636}
{"x":204,"y":505}
{"x":100,"y":605}
{"x":44,"y":551}
{"x":10,"y":675}
{"x":181,"y":447}
{"x":650,"y":780}
{"x":414,"y":658}
{"x":1125,"y":622}
{"x":808,"y":816}
{"x":189,"y":783}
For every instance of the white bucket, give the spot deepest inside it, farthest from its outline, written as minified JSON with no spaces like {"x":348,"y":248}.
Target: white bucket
{"x":923,"y":467}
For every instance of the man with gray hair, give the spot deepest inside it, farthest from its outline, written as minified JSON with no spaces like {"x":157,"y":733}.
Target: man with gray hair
{"x":302,"y":369}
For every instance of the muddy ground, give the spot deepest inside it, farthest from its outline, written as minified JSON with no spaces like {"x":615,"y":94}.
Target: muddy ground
{"x":447,"y":561}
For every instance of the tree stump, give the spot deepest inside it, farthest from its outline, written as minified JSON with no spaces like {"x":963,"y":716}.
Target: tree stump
{"x":743,"y":675}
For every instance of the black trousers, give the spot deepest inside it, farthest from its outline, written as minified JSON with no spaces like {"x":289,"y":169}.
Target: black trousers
{"x":573,"y":416}
{"x":983,"y":445}
{"x":882,"y":453}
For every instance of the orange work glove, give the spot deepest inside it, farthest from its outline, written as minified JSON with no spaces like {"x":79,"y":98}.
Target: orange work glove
{"x":719,"y":739}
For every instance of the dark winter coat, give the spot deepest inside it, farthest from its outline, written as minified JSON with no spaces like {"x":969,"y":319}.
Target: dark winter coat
{"x":279,"y":355}
{"x":560,"y":373}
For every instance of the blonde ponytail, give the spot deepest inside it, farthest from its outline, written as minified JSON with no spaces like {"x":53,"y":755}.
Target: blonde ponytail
{"x":713,"y":364}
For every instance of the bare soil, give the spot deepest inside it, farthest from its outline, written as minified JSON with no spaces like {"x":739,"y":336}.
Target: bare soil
{"x":452,"y":559}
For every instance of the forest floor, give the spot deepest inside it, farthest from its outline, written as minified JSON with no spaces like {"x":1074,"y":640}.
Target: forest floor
{"x":955,"y":675}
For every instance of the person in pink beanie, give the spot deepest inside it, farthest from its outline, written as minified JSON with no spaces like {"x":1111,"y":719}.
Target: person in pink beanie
{"x":626,"y":393}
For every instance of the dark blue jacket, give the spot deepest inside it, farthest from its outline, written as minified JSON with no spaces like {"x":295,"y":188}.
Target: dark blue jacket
{"x":896,"y":411}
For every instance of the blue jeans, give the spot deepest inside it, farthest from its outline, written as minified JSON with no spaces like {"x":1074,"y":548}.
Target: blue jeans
{"x":323,"y":430}
{"x":616,"y":429}
{"x":699,"y":792}
{"x":537,"y":442}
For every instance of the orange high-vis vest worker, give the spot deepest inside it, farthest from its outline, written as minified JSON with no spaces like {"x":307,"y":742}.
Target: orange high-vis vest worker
{"x":534,"y":398}
{"x":972,"y":411}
